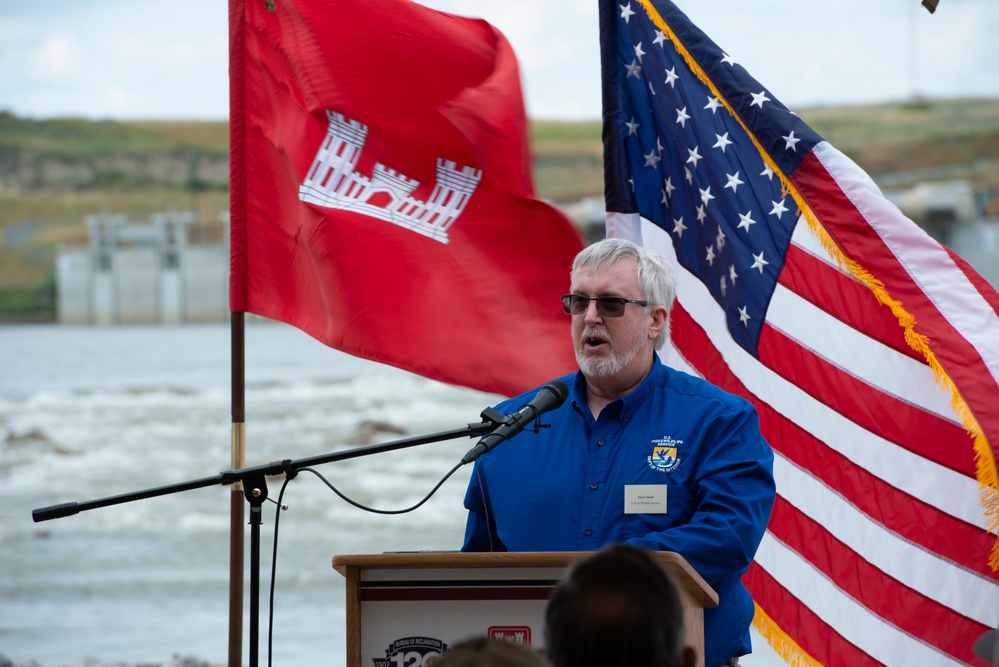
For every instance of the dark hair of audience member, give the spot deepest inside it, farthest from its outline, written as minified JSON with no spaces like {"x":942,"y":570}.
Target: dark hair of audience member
{"x":618,"y":607}
{"x":483,"y":652}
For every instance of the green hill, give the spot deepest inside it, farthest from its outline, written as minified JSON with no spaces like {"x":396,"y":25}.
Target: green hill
{"x":54,"y":172}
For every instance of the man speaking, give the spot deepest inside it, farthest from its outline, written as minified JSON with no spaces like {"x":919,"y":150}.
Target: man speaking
{"x":638,"y":453}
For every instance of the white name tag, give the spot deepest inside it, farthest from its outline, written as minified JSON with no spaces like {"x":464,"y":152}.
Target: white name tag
{"x":645,"y":499}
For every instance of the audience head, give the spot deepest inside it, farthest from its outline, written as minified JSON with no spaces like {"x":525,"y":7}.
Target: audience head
{"x":483,"y":652}
{"x":617,"y":607}
{"x":987,"y":647}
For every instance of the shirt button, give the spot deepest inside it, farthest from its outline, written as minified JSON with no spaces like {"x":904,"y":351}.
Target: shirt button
{"x":594,"y":485}
{"x":600,"y":443}
{"x":587,"y":532}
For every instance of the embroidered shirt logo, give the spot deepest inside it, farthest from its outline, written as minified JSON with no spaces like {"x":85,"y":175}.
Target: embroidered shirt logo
{"x":332,"y":182}
{"x":665,"y":454}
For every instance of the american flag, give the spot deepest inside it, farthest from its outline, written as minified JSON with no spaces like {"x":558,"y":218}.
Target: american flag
{"x":870,"y":350}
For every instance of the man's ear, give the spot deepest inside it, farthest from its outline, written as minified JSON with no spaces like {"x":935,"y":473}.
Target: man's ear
{"x":659,"y":319}
{"x":689,"y":657}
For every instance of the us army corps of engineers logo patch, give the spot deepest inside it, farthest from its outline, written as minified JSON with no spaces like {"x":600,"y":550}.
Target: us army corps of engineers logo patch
{"x":665,"y":455}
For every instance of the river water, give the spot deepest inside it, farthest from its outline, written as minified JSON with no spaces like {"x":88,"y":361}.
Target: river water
{"x":91,"y":412}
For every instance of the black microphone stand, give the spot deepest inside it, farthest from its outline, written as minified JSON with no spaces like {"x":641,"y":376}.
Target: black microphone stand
{"x":254,"y":481}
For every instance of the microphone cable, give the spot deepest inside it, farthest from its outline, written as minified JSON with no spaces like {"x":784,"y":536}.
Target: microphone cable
{"x":373,"y":509}
{"x":290,"y":475}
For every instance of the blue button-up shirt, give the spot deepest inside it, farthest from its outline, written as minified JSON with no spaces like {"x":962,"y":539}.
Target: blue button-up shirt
{"x":565,"y":488}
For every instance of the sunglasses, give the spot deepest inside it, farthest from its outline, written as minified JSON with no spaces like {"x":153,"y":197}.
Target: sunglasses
{"x":607,"y":306}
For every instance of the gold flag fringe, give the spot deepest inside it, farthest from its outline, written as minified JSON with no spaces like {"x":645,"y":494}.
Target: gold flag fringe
{"x":784,"y":646}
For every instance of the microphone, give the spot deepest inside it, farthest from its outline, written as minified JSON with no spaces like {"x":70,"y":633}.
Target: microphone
{"x":549,"y":397}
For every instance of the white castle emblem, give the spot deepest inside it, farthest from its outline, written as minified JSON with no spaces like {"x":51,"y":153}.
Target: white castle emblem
{"x":333,"y":183}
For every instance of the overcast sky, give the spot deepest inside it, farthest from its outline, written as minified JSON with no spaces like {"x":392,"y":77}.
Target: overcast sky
{"x":167,"y":59}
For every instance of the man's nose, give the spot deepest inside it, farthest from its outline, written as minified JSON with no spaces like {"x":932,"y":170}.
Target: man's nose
{"x":592,"y":313}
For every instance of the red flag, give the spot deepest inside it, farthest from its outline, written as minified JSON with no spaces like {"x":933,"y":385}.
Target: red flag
{"x":868,"y":349}
{"x":381,"y":191}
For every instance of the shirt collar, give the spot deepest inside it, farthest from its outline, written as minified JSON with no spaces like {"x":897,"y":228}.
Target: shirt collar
{"x":625,"y":406}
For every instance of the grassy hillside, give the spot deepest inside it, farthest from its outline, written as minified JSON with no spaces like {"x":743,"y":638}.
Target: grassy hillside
{"x":54,"y":172}
{"x":81,"y":137}
{"x":899,"y":145}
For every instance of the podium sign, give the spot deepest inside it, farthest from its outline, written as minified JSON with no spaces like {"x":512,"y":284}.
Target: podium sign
{"x":406,"y":609}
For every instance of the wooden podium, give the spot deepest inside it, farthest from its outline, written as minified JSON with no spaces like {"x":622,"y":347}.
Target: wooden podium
{"x":405,"y":609}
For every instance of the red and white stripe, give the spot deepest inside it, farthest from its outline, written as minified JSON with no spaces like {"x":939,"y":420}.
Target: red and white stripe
{"x":877,"y":550}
